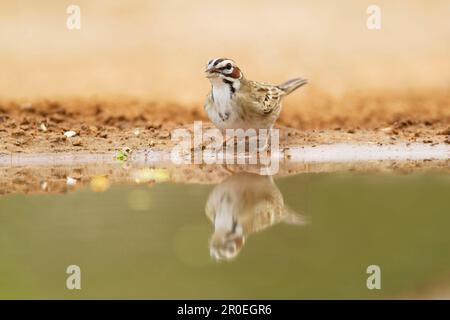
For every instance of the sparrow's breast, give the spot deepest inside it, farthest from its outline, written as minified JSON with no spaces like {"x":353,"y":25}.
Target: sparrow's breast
{"x":223,"y":110}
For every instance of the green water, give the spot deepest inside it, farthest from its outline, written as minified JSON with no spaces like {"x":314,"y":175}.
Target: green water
{"x":154,"y":242}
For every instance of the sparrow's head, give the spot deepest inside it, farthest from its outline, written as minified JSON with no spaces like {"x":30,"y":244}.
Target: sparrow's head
{"x":223,"y":68}
{"x":225,"y":245}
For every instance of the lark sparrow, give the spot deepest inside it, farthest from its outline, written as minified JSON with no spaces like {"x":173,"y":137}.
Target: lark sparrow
{"x":241,"y":205}
{"x":237,"y":103}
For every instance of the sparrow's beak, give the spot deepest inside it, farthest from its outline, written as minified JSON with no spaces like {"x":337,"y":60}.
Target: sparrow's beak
{"x":211,"y":72}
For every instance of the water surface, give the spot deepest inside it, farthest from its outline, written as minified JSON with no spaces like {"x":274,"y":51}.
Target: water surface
{"x":307,"y":235}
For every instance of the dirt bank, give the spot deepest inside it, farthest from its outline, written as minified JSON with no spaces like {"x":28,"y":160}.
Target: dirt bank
{"x":103,"y":125}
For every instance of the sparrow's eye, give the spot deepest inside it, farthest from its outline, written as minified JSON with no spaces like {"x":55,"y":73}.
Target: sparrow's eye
{"x":228,"y":66}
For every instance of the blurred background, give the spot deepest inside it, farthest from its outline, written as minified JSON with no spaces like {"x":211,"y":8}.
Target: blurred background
{"x":158,"y":49}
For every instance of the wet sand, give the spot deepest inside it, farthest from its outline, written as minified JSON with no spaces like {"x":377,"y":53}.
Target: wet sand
{"x":64,"y":172}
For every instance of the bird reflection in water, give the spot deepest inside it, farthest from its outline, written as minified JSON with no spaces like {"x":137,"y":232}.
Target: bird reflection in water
{"x":243,"y":204}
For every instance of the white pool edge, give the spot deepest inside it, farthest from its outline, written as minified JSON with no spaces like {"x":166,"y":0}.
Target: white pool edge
{"x":331,"y":153}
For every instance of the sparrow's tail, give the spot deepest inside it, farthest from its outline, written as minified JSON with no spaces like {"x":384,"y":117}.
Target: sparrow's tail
{"x":294,"y":218}
{"x":292,"y":85}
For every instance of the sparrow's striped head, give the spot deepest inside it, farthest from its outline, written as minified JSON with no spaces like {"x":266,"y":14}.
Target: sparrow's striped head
{"x":225,"y":246}
{"x":224,"y":68}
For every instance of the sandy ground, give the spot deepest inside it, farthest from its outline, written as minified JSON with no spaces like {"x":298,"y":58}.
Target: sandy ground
{"x":107,"y":125}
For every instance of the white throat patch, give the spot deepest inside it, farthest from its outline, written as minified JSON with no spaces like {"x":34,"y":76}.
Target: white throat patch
{"x":222,"y":92}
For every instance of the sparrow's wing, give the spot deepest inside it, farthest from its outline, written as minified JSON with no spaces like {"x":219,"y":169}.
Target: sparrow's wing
{"x":266,"y":97}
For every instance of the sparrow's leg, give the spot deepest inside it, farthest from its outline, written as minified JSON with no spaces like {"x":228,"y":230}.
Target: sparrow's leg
{"x":225,"y":142}
{"x":265,"y":146}
{"x":219,"y":148}
{"x":227,"y":169}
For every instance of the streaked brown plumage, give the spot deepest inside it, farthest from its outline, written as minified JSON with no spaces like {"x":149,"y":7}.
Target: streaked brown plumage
{"x":237,"y":103}
{"x":241,"y":205}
